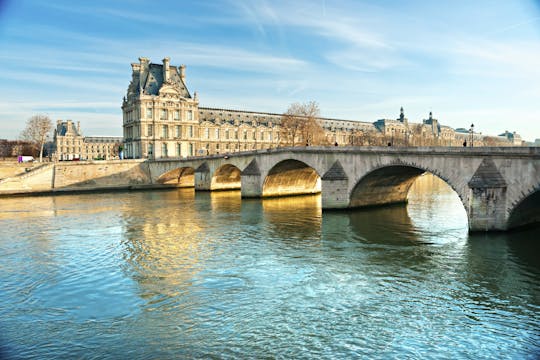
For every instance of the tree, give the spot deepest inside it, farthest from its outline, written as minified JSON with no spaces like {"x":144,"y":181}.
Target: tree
{"x":37,"y":129}
{"x":116,"y":149}
{"x":300,"y":125}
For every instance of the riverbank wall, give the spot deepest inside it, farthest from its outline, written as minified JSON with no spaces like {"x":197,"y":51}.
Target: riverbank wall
{"x":64,"y":177}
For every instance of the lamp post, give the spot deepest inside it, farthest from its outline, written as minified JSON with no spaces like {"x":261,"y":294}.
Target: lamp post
{"x":471,"y":131}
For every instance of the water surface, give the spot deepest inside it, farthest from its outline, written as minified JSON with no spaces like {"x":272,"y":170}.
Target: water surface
{"x":174,"y":274}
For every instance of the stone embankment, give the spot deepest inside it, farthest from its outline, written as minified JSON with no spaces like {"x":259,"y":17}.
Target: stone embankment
{"x":78,"y":176}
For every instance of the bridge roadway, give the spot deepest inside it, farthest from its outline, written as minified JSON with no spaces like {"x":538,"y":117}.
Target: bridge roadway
{"x":498,"y":186}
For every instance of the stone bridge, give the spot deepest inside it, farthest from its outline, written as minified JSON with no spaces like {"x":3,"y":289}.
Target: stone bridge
{"x":499,"y":187}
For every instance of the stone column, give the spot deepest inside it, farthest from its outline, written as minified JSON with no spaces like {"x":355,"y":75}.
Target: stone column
{"x":251,"y":181}
{"x":334,"y":188}
{"x":487,"y":199}
{"x":203,"y":178}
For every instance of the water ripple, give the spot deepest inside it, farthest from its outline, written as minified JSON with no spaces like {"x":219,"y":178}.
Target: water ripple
{"x":173,"y":274}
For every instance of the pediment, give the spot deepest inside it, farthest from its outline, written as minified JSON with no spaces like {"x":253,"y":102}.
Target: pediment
{"x":169,"y":91}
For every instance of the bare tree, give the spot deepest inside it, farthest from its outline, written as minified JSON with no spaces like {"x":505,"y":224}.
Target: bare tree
{"x":300,"y":125}
{"x":37,"y":129}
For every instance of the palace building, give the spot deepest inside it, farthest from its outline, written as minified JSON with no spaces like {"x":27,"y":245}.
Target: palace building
{"x":162,"y":119}
{"x":70,"y":144}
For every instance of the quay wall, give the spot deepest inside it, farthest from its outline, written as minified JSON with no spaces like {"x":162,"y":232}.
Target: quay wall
{"x":80,"y":176}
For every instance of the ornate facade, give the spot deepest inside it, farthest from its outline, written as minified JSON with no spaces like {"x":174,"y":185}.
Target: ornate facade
{"x":162,"y":119}
{"x":70,"y":144}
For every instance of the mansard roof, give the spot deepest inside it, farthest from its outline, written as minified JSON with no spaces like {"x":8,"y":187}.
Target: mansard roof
{"x":264,"y":118}
{"x":149,"y":79}
{"x":67,"y":128}
{"x":152,"y":81}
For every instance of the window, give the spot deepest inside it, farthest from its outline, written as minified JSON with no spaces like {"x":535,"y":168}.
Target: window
{"x":165,"y":132}
{"x":176,"y":115}
{"x":270,"y":136}
{"x":236,"y":134}
{"x":254,"y":134}
{"x":164,"y":150}
{"x":217,"y":133}
{"x":227,"y":134}
{"x":150,"y":149}
{"x":178,"y":150}
{"x":149,"y":130}
{"x":207,"y":133}
{"x":262,"y":135}
{"x":190,"y":149}
{"x":148,"y":113}
{"x":189,"y":115}
{"x":245,"y":134}
{"x":190,"y":131}
{"x":178,"y":131}
{"x":163,"y":115}
{"x":217,"y":146}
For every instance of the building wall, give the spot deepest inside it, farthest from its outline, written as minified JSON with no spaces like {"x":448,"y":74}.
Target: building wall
{"x":161,"y":119}
{"x":69,"y":144}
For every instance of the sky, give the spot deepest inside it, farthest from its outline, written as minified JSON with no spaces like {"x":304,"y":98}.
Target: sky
{"x":469,"y":62}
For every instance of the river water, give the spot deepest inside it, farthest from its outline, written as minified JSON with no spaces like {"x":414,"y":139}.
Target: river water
{"x":179,"y":274}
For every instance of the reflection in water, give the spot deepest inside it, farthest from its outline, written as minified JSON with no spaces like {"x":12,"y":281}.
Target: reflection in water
{"x":179,"y":274}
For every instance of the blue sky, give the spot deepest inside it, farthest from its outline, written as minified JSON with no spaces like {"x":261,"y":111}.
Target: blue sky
{"x":467,"y":61}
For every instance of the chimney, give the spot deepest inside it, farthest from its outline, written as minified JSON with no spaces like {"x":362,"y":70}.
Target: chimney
{"x":183,"y":72}
{"x":143,"y":64}
{"x":78,"y":128}
{"x":166,"y":75}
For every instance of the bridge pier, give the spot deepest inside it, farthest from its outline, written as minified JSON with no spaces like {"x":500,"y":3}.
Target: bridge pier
{"x":251,"y":181}
{"x":334,"y":188}
{"x":487,"y":200}
{"x":487,"y":209}
{"x":203,"y":178}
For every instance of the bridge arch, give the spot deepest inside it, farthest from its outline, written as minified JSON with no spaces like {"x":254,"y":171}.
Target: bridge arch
{"x":226,"y":177}
{"x":526,"y":211}
{"x":291,"y":177}
{"x":390,"y":184}
{"x":179,"y":177}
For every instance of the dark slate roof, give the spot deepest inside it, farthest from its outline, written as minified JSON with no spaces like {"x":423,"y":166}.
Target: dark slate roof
{"x":153,"y":80}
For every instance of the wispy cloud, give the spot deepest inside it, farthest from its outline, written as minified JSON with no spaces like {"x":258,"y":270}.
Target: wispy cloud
{"x":60,"y":81}
{"x":121,"y":12}
{"x":499,"y":58}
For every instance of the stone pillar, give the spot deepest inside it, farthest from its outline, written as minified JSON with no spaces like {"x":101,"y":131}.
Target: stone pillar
{"x":334,"y":188}
{"x":251,"y":181}
{"x":203,"y":178}
{"x":487,"y":199}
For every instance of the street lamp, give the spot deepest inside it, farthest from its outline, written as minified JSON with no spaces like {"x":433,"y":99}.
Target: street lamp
{"x":471,"y":131}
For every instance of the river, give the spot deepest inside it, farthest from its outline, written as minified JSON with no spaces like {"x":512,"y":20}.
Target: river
{"x":179,"y":274}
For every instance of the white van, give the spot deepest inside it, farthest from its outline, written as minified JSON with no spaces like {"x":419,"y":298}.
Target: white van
{"x":23,"y":159}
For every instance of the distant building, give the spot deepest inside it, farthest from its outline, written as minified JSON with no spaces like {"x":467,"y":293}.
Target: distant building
{"x":70,"y":144}
{"x":514,"y":138}
{"x":162,"y":119}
